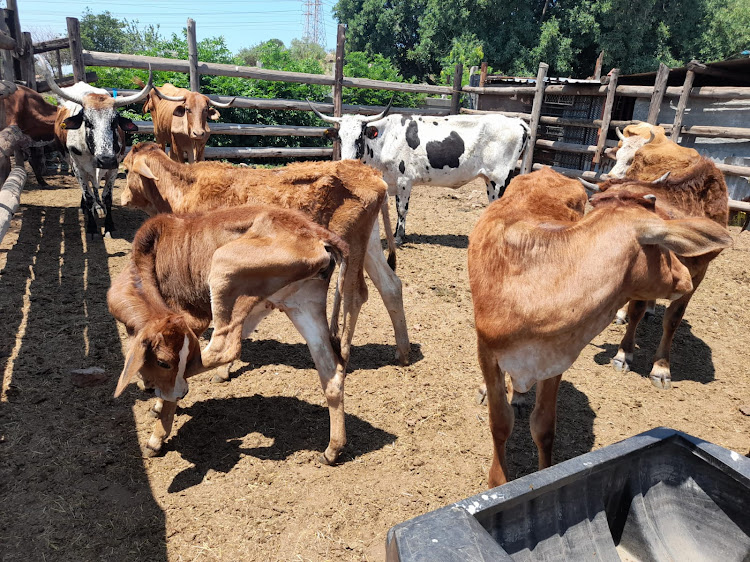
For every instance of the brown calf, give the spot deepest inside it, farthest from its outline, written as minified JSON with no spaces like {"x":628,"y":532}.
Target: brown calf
{"x":343,"y":196}
{"x":181,"y":119}
{"x":232,"y":266}
{"x":545,"y":280}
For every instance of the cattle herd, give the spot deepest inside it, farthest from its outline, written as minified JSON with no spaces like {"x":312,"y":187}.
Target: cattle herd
{"x":226,"y":245}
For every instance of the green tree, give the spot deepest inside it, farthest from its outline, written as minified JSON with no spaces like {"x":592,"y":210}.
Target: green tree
{"x":104,"y":32}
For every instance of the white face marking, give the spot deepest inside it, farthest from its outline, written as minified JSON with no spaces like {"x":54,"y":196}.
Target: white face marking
{"x":625,"y":155}
{"x":180,"y":384}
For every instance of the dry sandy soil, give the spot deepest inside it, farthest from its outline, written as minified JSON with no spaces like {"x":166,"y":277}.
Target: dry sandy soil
{"x":239,"y":479}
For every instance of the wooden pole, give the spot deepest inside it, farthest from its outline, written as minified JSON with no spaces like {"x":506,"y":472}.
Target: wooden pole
{"x":338,"y":85}
{"x":76,"y":49}
{"x":536,"y":111}
{"x":195,"y":78}
{"x":483,"y":75}
{"x":606,"y":116}
{"x":6,"y":55}
{"x":10,"y":198}
{"x":682,"y":105}
{"x":15,"y":25}
{"x":458,"y":75}
{"x":27,"y":62}
{"x":660,"y":87}
{"x":59,"y":64}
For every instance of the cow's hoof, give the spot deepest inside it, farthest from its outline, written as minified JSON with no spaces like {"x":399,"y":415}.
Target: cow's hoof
{"x":620,"y":365}
{"x":660,"y":377}
{"x":324,"y":460}
{"x":403,"y":358}
{"x":101,"y":213}
{"x":152,"y":448}
{"x":481,"y":396}
{"x":108,"y":234}
{"x":399,"y":241}
{"x":620,"y":321}
{"x":219,"y":379}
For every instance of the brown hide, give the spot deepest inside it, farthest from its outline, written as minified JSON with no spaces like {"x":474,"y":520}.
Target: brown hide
{"x":182,"y":125}
{"x":545,"y":280}
{"x":31,"y":113}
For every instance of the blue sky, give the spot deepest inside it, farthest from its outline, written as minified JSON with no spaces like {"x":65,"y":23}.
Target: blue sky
{"x":243,"y":23}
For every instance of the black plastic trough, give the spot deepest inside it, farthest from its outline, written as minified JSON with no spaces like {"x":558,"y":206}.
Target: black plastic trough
{"x":661,"y":495}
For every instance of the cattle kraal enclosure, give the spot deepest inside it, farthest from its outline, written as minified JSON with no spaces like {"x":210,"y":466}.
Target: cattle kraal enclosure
{"x":239,"y":477}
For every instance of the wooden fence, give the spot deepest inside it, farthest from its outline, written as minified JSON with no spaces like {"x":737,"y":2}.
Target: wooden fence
{"x":80,"y":59}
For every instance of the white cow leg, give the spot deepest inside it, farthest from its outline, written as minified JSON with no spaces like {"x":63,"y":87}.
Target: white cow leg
{"x":389,"y":286}
{"x":308,"y":315}
{"x":156,"y":408}
{"x":87,"y":199}
{"x":622,"y":315}
{"x":162,"y":429}
{"x":403,"y":193}
{"x":497,"y":184}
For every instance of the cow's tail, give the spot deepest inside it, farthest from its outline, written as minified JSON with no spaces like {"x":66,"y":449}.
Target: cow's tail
{"x":388,"y":233}
{"x":336,"y":308}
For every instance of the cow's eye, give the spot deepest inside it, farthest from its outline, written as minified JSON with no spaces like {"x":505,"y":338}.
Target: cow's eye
{"x":163,"y":364}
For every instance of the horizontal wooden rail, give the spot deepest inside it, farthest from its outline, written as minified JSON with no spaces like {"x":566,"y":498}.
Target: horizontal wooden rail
{"x":237,"y":152}
{"x":714,"y":92}
{"x":119,"y":60}
{"x":732,"y":170}
{"x":249,"y":129}
{"x":297,"y":105}
{"x":52,"y":45}
{"x":42,"y":86}
{"x":7,"y":42}
{"x":566,"y":146}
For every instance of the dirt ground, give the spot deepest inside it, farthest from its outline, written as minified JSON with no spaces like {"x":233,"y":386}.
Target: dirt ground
{"x":239,"y":479}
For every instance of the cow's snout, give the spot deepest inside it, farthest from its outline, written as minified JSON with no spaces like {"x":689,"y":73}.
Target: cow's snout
{"x":198,"y":135}
{"x":106,"y":162}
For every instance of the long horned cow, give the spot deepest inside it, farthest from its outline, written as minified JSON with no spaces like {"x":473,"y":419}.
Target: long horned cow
{"x":181,"y":119}
{"x":93,"y":132}
{"x":448,"y":151}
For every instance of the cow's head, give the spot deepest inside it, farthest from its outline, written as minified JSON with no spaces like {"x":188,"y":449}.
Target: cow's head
{"x":633,"y":139}
{"x":352,"y":131}
{"x":190,"y":117}
{"x":141,"y":190}
{"x":101,"y":123}
{"x":164,"y":352}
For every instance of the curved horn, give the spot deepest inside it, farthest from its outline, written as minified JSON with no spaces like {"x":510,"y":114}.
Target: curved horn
{"x":380,"y":115}
{"x":323,"y":117}
{"x":619,"y":134}
{"x":662,"y":178}
{"x":652,"y":137}
{"x":57,"y":89}
{"x":127,"y":100}
{"x":221,"y":105}
{"x":168,"y":98}
{"x":589,"y":186}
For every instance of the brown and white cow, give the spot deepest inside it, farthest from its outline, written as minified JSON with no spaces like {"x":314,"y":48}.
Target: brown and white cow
{"x":692,"y":186}
{"x":181,"y":119}
{"x":343,"y":196}
{"x":545,"y":279}
{"x":232,"y":266}
{"x":30,"y":112}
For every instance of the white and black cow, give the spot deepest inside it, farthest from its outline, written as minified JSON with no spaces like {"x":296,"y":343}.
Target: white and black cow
{"x":446,"y":151}
{"x":92,"y":132}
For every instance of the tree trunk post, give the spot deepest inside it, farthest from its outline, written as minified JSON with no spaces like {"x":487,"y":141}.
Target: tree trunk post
{"x":59,"y":64}
{"x":483,"y":75}
{"x":660,"y":86}
{"x":606,"y":116}
{"x":27,"y":62}
{"x":338,"y":87}
{"x":536,"y":112}
{"x":76,"y":49}
{"x":195,"y":78}
{"x":6,"y":55}
{"x":458,"y":75}
{"x":684,"y":98}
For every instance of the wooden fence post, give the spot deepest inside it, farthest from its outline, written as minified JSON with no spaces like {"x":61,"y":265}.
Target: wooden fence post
{"x":195,"y":78}
{"x":684,"y":98}
{"x":483,"y":75}
{"x":660,"y":86}
{"x":458,"y":76}
{"x":76,"y":49}
{"x":338,"y":86}
{"x":606,"y":116}
{"x":536,"y":111}
{"x":6,"y":55}
{"x":27,"y":62}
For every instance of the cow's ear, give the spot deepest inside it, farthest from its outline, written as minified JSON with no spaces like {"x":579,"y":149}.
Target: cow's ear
{"x":142,"y":168}
{"x":74,"y":122}
{"x":213,"y":113}
{"x":685,"y":237}
{"x":331,"y":133}
{"x":126,"y":124}
{"x":133,"y":363}
{"x":371,"y":132}
{"x":179,"y":111}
